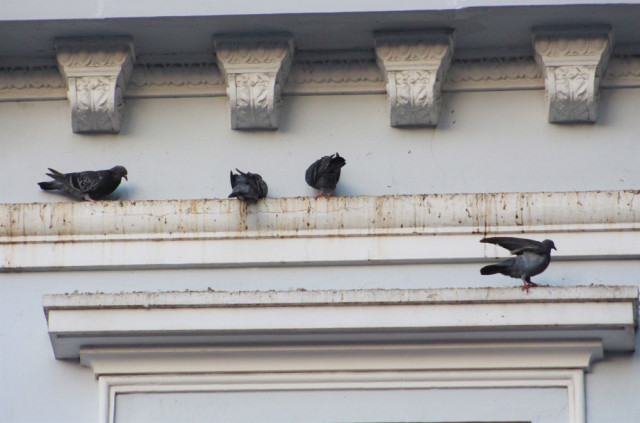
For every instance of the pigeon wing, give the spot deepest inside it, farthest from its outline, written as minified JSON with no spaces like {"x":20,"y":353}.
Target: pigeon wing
{"x":251,"y":180}
{"x":76,"y":182}
{"x":516,"y":246}
{"x":316,"y":170}
{"x":89,"y":180}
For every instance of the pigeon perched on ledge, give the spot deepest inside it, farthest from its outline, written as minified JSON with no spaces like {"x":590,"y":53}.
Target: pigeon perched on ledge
{"x":88,"y":185}
{"x":532,"y":258}
{"x":324,"y":173}
{"x":247,"y":186}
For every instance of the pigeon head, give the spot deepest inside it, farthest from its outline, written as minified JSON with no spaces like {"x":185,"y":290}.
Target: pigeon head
{"x":119,"y":172}
{"x":548,"y":244}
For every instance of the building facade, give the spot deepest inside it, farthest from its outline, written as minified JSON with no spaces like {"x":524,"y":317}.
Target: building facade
{"x":461,"y":120}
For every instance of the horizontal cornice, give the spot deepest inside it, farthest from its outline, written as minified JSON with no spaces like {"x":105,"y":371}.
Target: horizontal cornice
{"x":605,"y":314}
{"x":312,"y":73}
{"x":305,"y":231}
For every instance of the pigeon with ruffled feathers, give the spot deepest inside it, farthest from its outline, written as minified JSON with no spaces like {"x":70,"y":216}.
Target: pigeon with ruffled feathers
{"x":324,"y":174}
{"x":90,"y":185}
{"x":531,"y":258}
{"x":249,"y":187}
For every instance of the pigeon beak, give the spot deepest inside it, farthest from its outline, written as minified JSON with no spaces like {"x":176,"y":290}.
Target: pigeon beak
{"x":555,"y":248}
{"x":125,"y":177}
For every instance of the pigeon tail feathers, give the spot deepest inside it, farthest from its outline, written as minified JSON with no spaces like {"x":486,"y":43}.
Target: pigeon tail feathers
{"x":49,"y":185}
{"x":492,"y":269}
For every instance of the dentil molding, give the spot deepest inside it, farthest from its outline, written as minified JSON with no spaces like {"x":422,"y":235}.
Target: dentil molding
{"x":573,"y":62}
{"x":415,"y":65}
{"x":96,"y":71}
{"x":255,"y":69}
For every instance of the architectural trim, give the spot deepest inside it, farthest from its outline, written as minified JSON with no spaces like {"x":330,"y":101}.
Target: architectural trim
{"x":183,"y":342}
{"x":415,"y":65}
{"x":572,"y":380}
{"x":344,"y":358}
{"x":623,"y":72}
{"x":607,"y":315}
{"x":176,"y":76}
{"x":435,"y":228}
{"x":312,"y":73}
{"x":255,"y":68}
{"x":348,"y":72}
{"x":96,"y":71}
{"x":573,"y":62}
{"x":493,"y":74}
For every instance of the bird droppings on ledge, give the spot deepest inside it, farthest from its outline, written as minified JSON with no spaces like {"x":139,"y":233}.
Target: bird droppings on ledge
{"x":387,"y":212}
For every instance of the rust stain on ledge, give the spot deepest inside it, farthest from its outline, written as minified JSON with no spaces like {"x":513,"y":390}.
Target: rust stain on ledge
{"x":281,"y":217}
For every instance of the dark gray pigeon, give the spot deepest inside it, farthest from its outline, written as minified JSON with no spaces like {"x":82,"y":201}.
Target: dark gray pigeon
{"x":532,"y":258}
{"x":324,"y":173}
{"x":248,"y":186}
{"x":88,"y":185}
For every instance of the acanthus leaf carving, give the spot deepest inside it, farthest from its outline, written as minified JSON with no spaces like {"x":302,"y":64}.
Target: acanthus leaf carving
{"x":415,"y":66}
{"x":573,"y":62}
{"x":255,"y":68}
{"x":96,"y":70}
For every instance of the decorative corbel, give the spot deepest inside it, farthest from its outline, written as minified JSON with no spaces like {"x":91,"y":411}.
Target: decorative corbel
{"x":415,"y":65}
{"x":255,"y":68}
{"x":96,"y":70}
{"x":573,"y":62}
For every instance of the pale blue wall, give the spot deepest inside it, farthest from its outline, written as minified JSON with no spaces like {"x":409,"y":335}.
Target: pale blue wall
{"x":183,"y":148}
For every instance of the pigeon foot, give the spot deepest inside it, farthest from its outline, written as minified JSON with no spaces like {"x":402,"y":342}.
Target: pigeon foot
{"x":527,"y":284}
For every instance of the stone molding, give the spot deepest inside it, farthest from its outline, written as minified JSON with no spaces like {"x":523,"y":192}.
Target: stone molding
{"x":255,"y":68}
{"x":337,"y":72}
{"x":496,"y":73}
{"x":606,"y":315}
{"x":415,"y":66}
{"x":573,"y":62}
{"x":217,"y":341}
{"x":171,"y":77}
{"x":96,"y":71}
{"x":311,"y":74}
{"x":293,"y":231}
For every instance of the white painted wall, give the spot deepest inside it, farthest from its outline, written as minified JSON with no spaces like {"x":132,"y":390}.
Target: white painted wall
{"x":183,"y":148}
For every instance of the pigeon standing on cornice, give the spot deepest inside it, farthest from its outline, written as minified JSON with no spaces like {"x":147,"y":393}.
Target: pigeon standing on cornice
{"x":324,"y":174}
{"x":532,"y":258}
{"x":88,"y":185}
{"x":247,"y":186}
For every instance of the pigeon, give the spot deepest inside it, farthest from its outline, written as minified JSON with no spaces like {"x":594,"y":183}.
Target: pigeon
{"x":88,"y":185}
{"x":532,"y":258}
{"x":324,"y":173}
{"x":248,"y":186}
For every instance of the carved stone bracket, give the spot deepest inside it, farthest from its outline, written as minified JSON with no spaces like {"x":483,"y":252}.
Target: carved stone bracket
{"x":255,"y":68}
{"x":573,"y":62}
{"x":415,"y":66}
{"x":96,"y":71}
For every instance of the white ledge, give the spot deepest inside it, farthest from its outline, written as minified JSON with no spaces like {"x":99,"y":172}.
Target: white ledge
{"x":293,"y":231}
{"x":607,"y":315}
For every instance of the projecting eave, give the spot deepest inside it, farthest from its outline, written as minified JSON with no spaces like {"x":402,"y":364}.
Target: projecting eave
{"x":606,"y":316}
{"x":186,"y":27}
